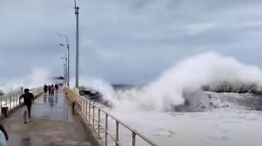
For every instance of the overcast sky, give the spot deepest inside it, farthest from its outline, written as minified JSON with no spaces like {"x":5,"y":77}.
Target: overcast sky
{"x":125,"y":41}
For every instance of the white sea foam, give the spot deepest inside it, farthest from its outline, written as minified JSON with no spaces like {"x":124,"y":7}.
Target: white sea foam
{"x":37,"y":78}
{"x":190,"y":74}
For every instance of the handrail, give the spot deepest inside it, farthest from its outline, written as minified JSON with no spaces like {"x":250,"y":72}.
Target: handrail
{"x":11,"y":101}
{"x":91,"y":114}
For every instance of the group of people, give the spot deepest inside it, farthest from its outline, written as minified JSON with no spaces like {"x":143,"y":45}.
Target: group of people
{"x":50,"y":89}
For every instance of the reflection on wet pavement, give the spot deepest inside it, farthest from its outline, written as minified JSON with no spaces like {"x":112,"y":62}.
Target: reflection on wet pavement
{"x":26,"y":141}
{"x":51,"y":106}
{"x":52,"y":124}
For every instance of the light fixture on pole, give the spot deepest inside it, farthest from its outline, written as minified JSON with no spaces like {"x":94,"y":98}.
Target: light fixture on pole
{"x":68,"y":57}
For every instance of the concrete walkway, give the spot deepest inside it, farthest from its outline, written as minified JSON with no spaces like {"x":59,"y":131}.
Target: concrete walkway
{"x":52,"y":124}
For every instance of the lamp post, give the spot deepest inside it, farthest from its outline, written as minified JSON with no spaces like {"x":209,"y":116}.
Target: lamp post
{"x":77,"y":44}
{"x":64,"y":73}
{"x":68,"y":57}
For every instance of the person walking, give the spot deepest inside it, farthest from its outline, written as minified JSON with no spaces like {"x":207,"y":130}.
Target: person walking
{"x":28,"y":100}
{"x":56,"y":87}
{"x":49,"y":89}
{"x":52,"y":90}
{"x":45,"y":88}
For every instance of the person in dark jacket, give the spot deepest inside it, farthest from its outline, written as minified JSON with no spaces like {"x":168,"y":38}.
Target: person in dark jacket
{"x":56,"y":87}
{"x":28,"y":101}
{"x":2,"y":128}
{"x":45,"y":88}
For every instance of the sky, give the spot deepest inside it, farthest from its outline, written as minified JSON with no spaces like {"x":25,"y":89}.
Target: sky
{"x":125,"y":41}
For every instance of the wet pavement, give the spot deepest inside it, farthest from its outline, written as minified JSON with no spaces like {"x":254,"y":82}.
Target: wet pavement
{"x":52,"y":124}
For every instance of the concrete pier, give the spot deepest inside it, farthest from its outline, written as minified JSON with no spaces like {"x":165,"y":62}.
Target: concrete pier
{"x":52,"y":124}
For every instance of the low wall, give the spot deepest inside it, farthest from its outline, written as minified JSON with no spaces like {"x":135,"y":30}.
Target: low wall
{"x":72,"y":97}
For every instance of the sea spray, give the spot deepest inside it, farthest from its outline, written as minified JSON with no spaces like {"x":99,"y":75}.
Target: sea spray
{"x":37,"y":78}
{"x":106,"y":89}
{"x":188,"y":75}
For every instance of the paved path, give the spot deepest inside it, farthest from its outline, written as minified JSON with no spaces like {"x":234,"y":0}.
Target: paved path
{"x":52,"y":124}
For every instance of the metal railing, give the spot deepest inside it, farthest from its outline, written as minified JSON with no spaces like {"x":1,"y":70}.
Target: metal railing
{"x":11,"y":101}
{"x":100,"y":121}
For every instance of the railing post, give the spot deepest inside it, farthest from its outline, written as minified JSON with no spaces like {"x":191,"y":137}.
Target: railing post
{"x":106,"y":129}
{"x":10,"y":100}
{"x":93,"y":116}
{"x":98,"y":123}
{"x":133,"y":138}
{"x":117,"y":133}
{"x":1,"y":101}
{"x":6,"y":100}
{"x":17,"y":99}
{"x":89,"y":112}
{"x":1,"y":104}
{"x":82,"y":107}
{"x":86,"y":110}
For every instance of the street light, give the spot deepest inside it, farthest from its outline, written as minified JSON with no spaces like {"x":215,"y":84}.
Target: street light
{"x":65,"y":72}
{"x":77,"y":44}
{"x":68,"y":57}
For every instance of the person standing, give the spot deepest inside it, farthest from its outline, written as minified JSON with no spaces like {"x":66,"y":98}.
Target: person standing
{"x":28,"y":100}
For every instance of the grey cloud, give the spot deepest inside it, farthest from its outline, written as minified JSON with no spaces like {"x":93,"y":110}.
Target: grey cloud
{"x":126,"y":40}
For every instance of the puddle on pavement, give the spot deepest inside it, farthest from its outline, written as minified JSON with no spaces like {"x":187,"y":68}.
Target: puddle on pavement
{"x":26,"y":141}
